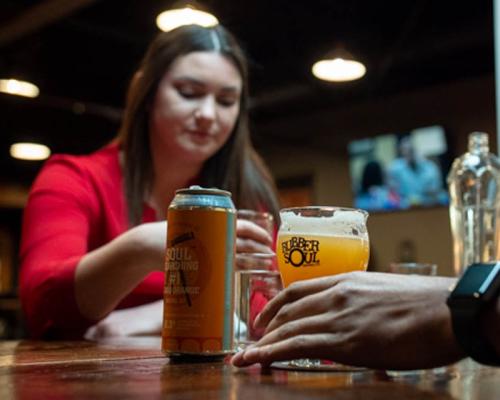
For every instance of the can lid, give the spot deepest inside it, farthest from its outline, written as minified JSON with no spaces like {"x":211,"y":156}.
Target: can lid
{"x":195,"y":189}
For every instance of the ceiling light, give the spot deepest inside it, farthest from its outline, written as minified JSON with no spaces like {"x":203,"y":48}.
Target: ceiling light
{"x":174,"y":18}
{"x":29,"y":151}
{"x":338,"y":65}
{"x":20,"y":88}
{"x":338,"y":70}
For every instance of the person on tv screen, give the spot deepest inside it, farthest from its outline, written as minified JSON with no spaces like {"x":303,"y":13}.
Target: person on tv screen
{"x":415,"y":179}
{"x":374,"y":194}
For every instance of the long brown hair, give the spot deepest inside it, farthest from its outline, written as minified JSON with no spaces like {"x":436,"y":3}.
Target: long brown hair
{"x":235,"y":167}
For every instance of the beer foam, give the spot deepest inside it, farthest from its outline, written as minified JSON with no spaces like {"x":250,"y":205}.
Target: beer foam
{"x":341,"y":223}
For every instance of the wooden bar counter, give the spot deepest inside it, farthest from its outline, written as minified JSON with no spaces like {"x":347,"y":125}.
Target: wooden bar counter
{"x":135,"y":368}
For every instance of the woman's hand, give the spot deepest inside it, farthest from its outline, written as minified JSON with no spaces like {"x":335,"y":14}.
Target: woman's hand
{"x":145,"y":320}
{"x":251,"y":238}
{"x":151,"y":237}
{"x":365,"y":319}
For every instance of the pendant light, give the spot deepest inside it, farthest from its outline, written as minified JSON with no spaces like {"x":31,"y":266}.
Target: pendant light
{"x":187,"y":14}
{"x":19,"y":88}
{"x":338,"y":66}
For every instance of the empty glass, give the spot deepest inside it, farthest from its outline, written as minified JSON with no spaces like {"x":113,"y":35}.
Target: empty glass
{"x":254,"y":287}
{"x":413,"y":268}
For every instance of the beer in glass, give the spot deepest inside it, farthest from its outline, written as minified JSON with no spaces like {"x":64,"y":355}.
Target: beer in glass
{"x":321,"y":241}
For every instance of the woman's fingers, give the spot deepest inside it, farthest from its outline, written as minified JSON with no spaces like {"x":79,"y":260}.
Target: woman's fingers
{"x":251,"y":246}
{"x":91,"y":333}
{"x":251,"y":238}
{"x":101,"y":330}
{"x":252,"y":261}
{"x":249,"y":230}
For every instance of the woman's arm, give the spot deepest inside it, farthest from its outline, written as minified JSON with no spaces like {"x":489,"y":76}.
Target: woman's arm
{"x":106,"y":275}
{"x":76,"y":261}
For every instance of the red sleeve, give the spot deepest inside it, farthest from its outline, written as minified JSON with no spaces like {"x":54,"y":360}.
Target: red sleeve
{"x":55,"y":234}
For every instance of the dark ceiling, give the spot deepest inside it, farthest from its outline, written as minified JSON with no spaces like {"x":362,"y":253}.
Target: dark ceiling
{"x":81,"y":54}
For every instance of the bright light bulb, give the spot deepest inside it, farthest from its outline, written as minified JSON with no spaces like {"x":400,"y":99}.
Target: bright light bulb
{"x":338,"y":70}
{"x":29,"y":151}
{"x":172,"y":19}
{"x":20,"y":88}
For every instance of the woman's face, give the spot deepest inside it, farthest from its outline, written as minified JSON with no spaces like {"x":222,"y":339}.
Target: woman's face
{"x":195,"y":107}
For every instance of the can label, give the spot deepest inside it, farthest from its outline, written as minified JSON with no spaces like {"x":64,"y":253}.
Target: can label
{"x":198,"y":293}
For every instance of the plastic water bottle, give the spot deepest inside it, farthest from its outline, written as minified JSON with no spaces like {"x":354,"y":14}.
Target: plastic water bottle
{"x":474,"y":182}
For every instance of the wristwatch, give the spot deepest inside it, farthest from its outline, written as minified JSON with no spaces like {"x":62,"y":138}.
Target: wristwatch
{"x":478,"y":287}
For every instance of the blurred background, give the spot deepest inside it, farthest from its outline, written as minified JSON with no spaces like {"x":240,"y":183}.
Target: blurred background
{"x":428,"y":64}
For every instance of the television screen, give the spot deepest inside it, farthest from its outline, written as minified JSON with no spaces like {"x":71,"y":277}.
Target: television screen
{"x":400,"y":170}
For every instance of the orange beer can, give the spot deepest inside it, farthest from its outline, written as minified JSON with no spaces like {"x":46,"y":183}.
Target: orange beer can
{"x":198,"y":292}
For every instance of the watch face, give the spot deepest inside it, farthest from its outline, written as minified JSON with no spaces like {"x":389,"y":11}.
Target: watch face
{"x":477,"y":280}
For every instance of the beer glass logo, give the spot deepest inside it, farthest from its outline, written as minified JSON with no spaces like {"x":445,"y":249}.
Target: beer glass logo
{"x":301,"y":252}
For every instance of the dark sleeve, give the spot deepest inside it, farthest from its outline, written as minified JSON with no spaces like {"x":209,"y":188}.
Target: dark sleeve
{"x":56,"y":224}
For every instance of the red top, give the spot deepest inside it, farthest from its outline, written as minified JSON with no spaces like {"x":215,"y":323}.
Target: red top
{"x":76,"y":205}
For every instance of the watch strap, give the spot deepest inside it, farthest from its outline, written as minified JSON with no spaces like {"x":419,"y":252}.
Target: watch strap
{"x":467,"y":329}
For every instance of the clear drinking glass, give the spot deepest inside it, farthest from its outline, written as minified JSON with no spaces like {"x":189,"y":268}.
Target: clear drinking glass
{"x":255,"y":286}
{"x":318,"y":241}
{"x":412,"y":268}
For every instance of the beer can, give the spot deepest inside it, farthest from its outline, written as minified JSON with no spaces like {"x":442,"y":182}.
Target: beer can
{"x":198,"y":292}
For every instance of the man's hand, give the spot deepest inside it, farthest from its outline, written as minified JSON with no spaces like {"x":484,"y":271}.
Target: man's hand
{"x":374,"y":320}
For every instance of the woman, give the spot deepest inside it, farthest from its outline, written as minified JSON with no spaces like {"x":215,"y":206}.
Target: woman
{"x":94,"y":232}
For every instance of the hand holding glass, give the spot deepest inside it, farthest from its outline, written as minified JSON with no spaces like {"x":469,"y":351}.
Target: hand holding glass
{"x":320,"y":241}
